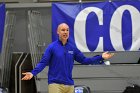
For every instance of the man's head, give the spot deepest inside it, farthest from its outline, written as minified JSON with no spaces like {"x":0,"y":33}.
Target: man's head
{"x":63,"y":31}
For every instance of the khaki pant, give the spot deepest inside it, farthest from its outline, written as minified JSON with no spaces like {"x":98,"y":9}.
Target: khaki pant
{"x":60,"y":88}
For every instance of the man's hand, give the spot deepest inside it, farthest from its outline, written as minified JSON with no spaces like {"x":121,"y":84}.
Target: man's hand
{"x":107,"y":55}
{"x":28,"y":76}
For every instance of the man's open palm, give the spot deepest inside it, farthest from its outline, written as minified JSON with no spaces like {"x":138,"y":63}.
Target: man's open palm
{"x":107,"y":55}
{"x":28,"y":76}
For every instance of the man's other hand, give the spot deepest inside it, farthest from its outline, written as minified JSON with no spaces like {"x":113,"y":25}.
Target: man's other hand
{"x":27,"y":76}
{"x":107,"y":55}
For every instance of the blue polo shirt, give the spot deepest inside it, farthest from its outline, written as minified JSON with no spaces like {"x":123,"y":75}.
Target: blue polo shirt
{"x":60,"y":59}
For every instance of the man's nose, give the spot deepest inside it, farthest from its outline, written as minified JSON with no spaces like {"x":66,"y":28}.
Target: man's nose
{"x":65,"y":31}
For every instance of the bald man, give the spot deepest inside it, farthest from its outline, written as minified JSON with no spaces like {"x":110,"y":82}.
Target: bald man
{"x":60,"y":56}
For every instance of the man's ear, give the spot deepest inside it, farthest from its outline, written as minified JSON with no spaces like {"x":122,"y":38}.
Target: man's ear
{"x":58,"y":32}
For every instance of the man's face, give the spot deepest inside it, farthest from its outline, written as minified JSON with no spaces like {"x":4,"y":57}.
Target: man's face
{"x":63,"y":32}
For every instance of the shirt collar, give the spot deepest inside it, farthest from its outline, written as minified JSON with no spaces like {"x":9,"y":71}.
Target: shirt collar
{"x":62,"y":43}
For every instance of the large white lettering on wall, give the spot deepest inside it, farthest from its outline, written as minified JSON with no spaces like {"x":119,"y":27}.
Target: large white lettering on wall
{"x":115,"y":34}
{"x":100,"y":26}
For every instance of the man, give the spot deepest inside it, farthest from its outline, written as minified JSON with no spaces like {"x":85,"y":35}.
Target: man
{"x":60,"y":56}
